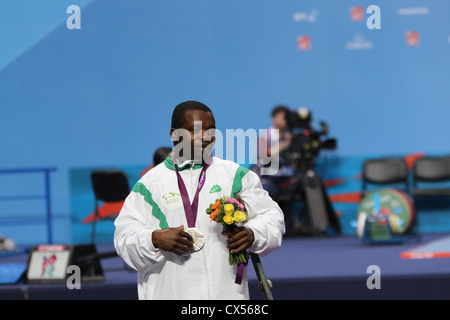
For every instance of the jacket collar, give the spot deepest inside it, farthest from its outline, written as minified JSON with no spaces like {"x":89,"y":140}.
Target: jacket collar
{"x":186,"y":164}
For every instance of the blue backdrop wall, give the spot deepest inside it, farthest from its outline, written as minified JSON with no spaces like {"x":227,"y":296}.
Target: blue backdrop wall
{"x":103,"y":95}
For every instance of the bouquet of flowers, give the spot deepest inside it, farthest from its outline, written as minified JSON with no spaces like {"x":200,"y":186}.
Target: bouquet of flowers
{"x":229,"y":212}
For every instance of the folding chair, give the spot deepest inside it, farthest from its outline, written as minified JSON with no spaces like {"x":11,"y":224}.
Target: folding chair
{"x":109,"y":186}
{"x":431,"y":177}
{"x":385,"y":172}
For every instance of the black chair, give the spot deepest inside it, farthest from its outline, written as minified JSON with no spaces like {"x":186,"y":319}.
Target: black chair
{"x":431,"y":177}
{"x":108,"y":186}
{"x":385,"y":172}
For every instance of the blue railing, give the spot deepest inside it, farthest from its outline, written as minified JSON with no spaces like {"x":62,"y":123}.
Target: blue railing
{"x":46,"y":196}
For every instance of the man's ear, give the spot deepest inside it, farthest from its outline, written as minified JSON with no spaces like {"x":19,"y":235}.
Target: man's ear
{"x":172,"y":135}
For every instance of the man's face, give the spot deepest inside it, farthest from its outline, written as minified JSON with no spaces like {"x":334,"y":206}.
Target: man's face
{"x":197,"y":135}
{"x":279,"y":121}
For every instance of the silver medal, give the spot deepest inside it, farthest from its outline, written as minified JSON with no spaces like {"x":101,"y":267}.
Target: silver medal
{"x":198,"y":237}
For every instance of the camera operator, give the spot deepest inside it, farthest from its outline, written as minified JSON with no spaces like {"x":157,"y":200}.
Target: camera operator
{"x":276,"y":141}
{"x":298,"y":144}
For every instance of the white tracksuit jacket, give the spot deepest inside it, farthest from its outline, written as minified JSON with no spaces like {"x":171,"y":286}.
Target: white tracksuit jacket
{"x":155,"y":203}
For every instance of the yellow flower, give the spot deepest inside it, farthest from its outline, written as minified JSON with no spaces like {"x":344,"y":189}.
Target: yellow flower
{"x":228,"y":219}
{"x":239,"y":216}
{"x":228,"y":208}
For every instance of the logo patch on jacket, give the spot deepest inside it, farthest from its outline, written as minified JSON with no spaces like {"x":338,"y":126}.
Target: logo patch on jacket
{"x":215,"y":188}
{"x":171,"y":200}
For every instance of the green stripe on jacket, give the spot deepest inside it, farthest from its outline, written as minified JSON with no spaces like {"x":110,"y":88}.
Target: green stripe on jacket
{"x":237,"y":182}
{"x":156,"y":211}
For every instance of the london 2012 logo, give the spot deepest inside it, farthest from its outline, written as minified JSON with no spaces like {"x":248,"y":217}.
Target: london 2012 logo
{"x":412,"y":38}
{"x":373,"y":20}
{"x":48,"y":265}
{"x":171,"y":199}
{"x":304,"y":43}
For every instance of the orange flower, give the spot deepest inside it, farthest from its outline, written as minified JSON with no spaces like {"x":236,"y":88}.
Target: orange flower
{"x":214,"y":214}
{"x":216,"y":205}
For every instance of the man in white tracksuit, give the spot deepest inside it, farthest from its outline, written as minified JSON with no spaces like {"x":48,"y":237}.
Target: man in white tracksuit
{"x":153,"y":229}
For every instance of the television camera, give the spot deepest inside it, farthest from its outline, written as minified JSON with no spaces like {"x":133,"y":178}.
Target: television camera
{"x":305,"y":146}
{"x":306,"y":142}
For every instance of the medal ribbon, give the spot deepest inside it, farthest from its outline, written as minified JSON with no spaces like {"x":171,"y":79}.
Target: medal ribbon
{"x":240,"y":272}
{"x":190,"y":210}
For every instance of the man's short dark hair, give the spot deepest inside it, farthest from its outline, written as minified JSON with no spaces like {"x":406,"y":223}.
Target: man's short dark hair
{"x":280,"y":108}
{"x":180,"y":109}
{"x":160,"y":154}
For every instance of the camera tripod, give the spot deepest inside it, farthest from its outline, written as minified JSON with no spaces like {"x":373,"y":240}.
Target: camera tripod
{"x":320,"y":215}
